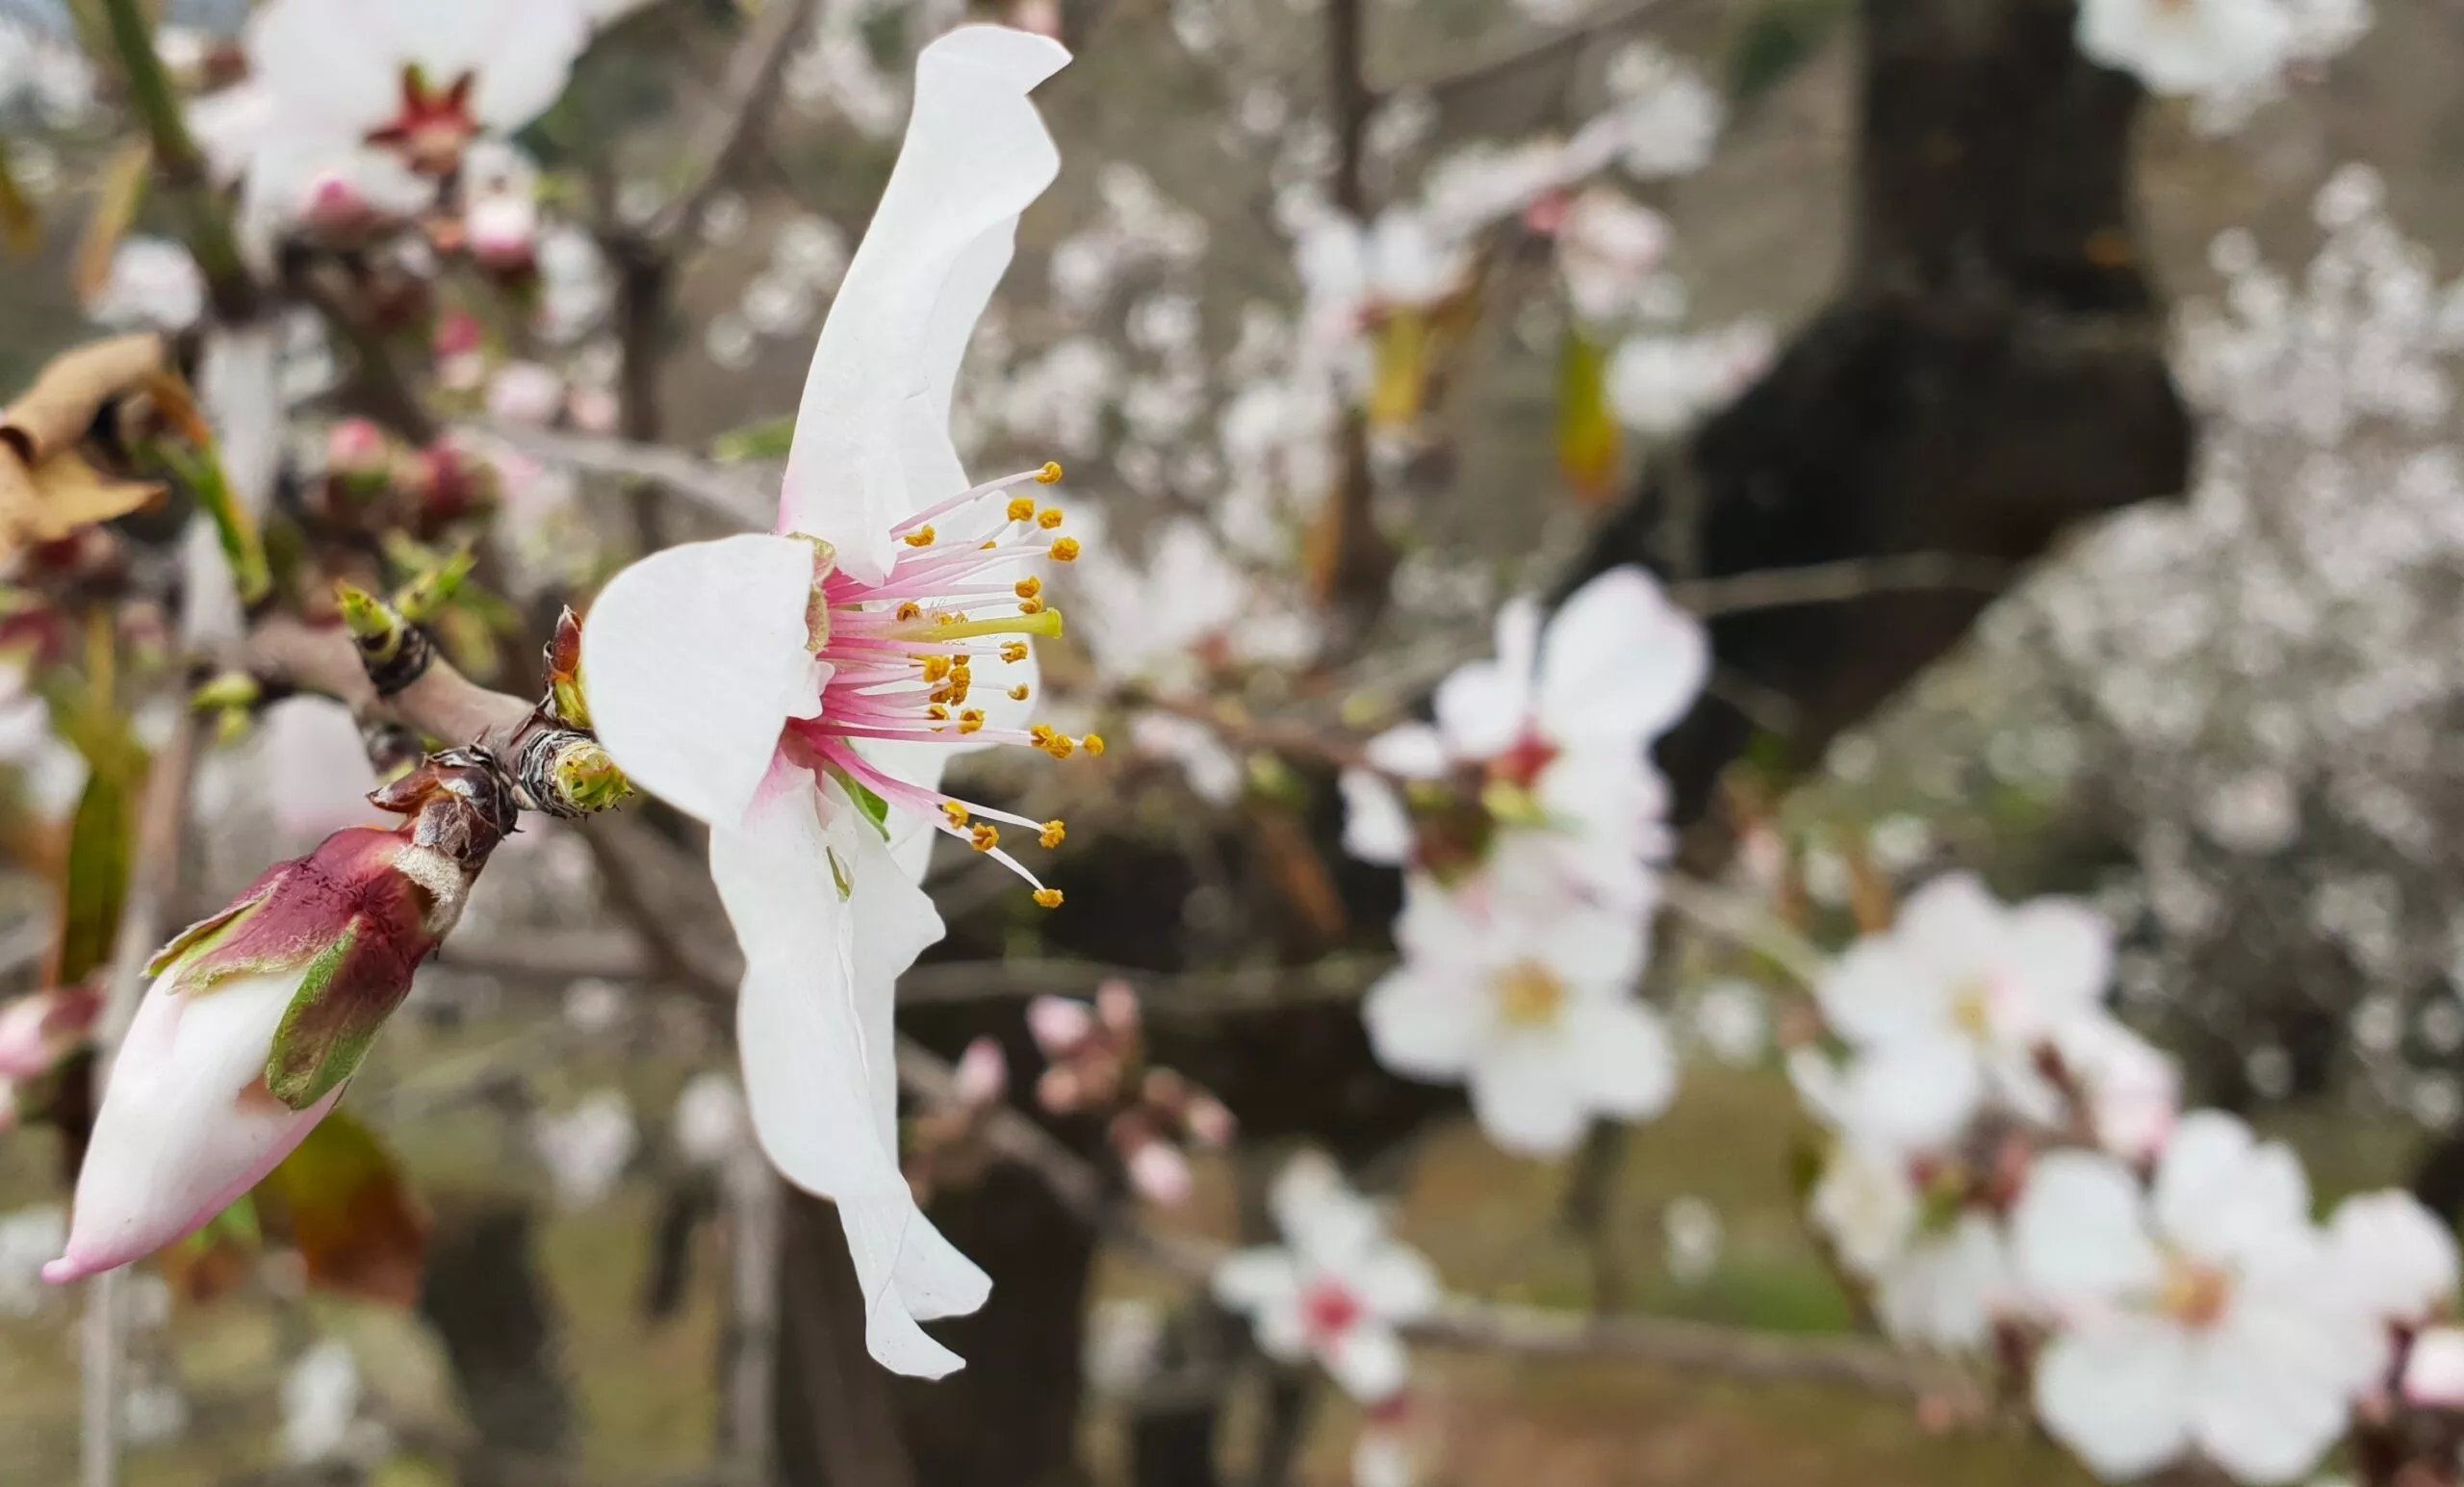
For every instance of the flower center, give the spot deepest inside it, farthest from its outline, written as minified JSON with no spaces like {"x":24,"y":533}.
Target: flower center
{"x":903,"y":653}
{"x":1521,"y":765}
{"x":1972,"y":1009}
{"x":1529,"y":995}
{"x":2192,"y":1293}
{"x":435,"y":125}
{"x":1329,"y":1311}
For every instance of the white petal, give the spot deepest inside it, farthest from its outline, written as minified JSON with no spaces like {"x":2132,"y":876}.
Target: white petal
{"x":2222,"y":1196}
{"x":2118,"y":1393}
{"x":1395,"y":1282}
{"x":2079,"y":1232}
{"x":693,"y":660}
{"x":1428,"y":1024}
{"x":186,"y":1125}
{"x":1877,"y":993}
{"x":2434,"y":1370}
{"x":1524,"y":1099}
{"x":1621,"y":1058}
{"x":2395,"y":1257}
{"x":1484,"y":708}
{"x":2269,"y":1403}
{"x":239,"y":384}
{"x":812,"y":1021}
{"x":1866,"y":1203}
{"x":1376,"y":828}
{"x":1945,"y":1292}
{"x":1368,"y":1360}
{"x":1619,"y":661}
{"x":1253,"y":1280}
{"x":1414,"y":751}
{"x":2062,"y":953}
{"x":1915,"y":1095}
{"x":332,"y":72}
{"x":1596,"y":951}
{"x":523,"y":59}
{"x":871,"y":442}
{"x":1956,"y":928}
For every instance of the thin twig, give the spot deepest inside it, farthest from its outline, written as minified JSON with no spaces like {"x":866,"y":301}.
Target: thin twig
{"x":1515,"y":55}
{"x":152,"y":878}
{"x":211,"y":236}
{"x":1739,"y":919}
{"x":752,"y":90}
{"x":747,"y":498}
{"x":1850,"y":578}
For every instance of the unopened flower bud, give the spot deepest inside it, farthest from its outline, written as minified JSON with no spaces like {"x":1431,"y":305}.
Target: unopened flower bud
{"x":1057,"y":1024}
{"x":983,"y":1074}
{"x":1159,"y":1173}
{"x":355,"y":452}
{"x":2434,"y":1370}
{"x":42,"y":1028}
{"x":1060,"y":1091}
{"x":1117,"y":1007}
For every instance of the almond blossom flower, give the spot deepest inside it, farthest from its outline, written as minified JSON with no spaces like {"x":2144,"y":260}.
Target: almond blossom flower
{"x":1535,"y":1010}
{"x":421,"y":78}
{"x":801,"y":692}
{"x":2394,"y":1257}
{"x":2187,"y":46}
{"x":1336,"y":1289}
{"x":258,"y":1016}
{"x":1552,"y":735}
{"x":1941,"y":1279}
{"x":1609,"y":247}
{"x":1949,"y":1008}
{"x":2196,"y":1314}
{"x":2433,"y":1376}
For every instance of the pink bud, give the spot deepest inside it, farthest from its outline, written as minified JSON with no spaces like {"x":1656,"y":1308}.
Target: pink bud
{"x":1039,"y":16}
{"x":1057,"y":1024}
{"x":1059,"y":1090}
{"x":1210,"y":1124}
{"x":503,"y":231}
{"x":2434,"y":1370}
{"x":335,"y":209}
{"x":594,"y":410}
{"x":1159,"y":1173}
{"x":356,"y":447}
{"x":458,"y":333}
{"x":39,"y":1029}
{"x":1117,"y":1005}
{"x":982,"y":1073}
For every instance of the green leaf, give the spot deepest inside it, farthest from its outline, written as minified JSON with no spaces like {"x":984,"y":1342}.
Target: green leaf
{"x":875,"y":808}
{"x":768,"y":439}
{"x":102,"y":838}
{"x":1589,"y":442}
{"x":840,"y":875}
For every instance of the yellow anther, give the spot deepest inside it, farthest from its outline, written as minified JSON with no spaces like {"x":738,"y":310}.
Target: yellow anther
{"x":985,"y":836}
{"x":971,"y":720}
{"x":1027,"y":588}
{"x":1019,"y":693}
{"x":938,"y":713}
{"x":1062,"y":745}
{"x":910,"y":610}
{"x":921,"y":537}
{"x":1030,"y":606}
{"x":1049,"y":474}
{"x":959,"y":688}
{"x":956,"y":812}
{"x":942,"y":694}
{"x":1047,"y":898}
{"x":1041,"y":734}
{"x":988,"y":546}
{"x":1022,"y":508}
{"x":1094,"y":743}
{"x":1064,"y":549}
{"x":1048,"y":518}
{"x":936,"y":668}
{"x":1054,"y":832}
{"x":947,"y":617}
{"x":1013,"y":651}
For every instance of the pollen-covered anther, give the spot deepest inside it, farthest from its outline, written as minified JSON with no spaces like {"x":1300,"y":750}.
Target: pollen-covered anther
{"x":921,"y":537}
{"x":1093,"y":744}
{"x":984,"y":837}
{"x":910,"y":610}
{"x":1048,"y":518}
{"x":1022,"y":508}
{"x":1041,"y":734}
{"x":938,"y":713}
{"x":1054,"y":834}
{"x":1013,"y":651}
{"x":1064,"y":549}
{"x":942,"y":694}
{"x":956,"y":812}
{"x":1049,"y":474}
{"x":971,"y":720}
{"x":1061,"y":746}
{"x":1030,"y":606}
{"x":936,"y":668}
{"x":1028,"y":587}
{"x":1047,"y":898}
{"x":1019,"y":693}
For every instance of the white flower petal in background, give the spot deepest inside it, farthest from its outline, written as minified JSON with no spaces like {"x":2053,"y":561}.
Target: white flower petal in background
{"x":709,"y":1123}
{"x":1338,"y":1287}
{"x":2397,"y":1256}
{"x":586,"y":1149}
{"x":154,"y":285}
{"x":2188,"y":46}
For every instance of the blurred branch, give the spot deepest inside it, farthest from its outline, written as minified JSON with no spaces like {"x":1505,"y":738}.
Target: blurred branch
{"x":1514,"y":56}
{"x":751,"y":91}
{"x":1736,"y":918}
{"x":442,"y":703}
{"x":153,"y":877}
{"x":1850,"y":578}
{"x":757,"y":1222}
{"x":377,"y":385}
{"x":738,"y":498}
{"x":211,"y":237}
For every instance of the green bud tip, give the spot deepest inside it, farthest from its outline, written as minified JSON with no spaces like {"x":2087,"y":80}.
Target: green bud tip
{"x":588,"y":779}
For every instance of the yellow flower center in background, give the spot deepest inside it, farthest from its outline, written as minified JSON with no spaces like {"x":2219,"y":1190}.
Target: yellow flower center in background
{"x":1529,"y":995}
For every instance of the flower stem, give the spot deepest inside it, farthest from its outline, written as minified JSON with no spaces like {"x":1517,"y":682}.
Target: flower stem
{"x":211,"y":237}
{"x":242,"y":545}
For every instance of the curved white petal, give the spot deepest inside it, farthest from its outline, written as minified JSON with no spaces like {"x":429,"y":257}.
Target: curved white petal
{"x":1484,"y":708}
{"x":1945,"y":1292}
{"x":522,"y":56}
{"x":1426,"y":1025}
{"x":1877,"y":994}
{"x":1395,"y":1282}
{"x":1368,"y":1361}
{"x":1915,"y":1095}
{"x":2270,"y":1397}
{"x":2079,"y":1233}
{"x":1414,"y":751}
{"x":1256,"y":1282}
{"x":2222,"y":1196}
{"x":2396,"y":1257}
{"x":2118,"y":1393}
{"x":1622,"y":1057}
{"x":1619,"y":661}
{"x":186,"y":1125}
{"x":331,"y":68}
{"x":1376,"y":828}
{"x":1956,"y":928}
{"x":2062,"y":954}
{"x":814,"y":1026}
{"x":1523,"y":1100}
{"x":872,"y":441}
{"x":693,"y":660}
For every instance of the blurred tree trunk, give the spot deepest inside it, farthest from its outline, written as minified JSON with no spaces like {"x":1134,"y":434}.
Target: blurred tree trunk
{"x":482,"y":1292}
{"x":1989,"y":370}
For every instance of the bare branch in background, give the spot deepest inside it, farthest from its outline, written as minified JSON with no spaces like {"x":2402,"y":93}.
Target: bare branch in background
{"x":1852,"y":579}
{"x":746,"y":496}
{"x":751,"y":92}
